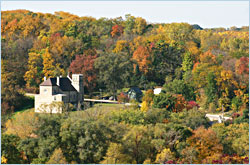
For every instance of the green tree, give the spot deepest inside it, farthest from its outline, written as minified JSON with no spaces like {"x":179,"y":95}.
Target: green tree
{"x":165,"y":58}
{"x":84,"y":141}
{"x":136,"y":143}
{"x":180,"y":87}
{"x":134,"y":117}
{"x":9,"y":149}
{"x":211,"y":88}
{"x":129,"y":24}
{"x":244,"y":118}
{"x":187,"y":64}
{"x":190,"y":118}
{"x":114,"y":71}
{"x":164,"y":100}
{"x":233,"y":137}
{"x":11,"y":94}
{"x":29,"y":147}
{"x":139,"y":26}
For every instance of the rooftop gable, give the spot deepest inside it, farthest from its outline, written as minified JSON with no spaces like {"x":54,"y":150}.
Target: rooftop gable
{"x":64,"y":83}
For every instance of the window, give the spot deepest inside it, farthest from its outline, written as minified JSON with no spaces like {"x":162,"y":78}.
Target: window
{"x":45,"y":90}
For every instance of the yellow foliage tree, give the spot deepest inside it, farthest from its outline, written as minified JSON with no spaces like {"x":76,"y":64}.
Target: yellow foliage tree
{"x":3,"y":160}
{"x":121,"y":45}
{"x":147,"y":100}
{"x":114,"y":155}
{"x":144,"y":106}
{"x":23,"y":125}
{"x":164,"y":156}
{"x":57,"y":157}
{"x":140,"y":25}
{"x":33,"y":76}
{"x":48,"y":67}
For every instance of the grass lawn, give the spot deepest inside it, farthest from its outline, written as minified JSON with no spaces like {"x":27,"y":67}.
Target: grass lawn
{"x":23,"y":110}
{"x":98,"y":110}
{"x":106,"y":106}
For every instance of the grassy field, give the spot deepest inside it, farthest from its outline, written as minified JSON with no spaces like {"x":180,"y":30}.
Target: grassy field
{"x":106,"y":106}
{"x":23,"y":110}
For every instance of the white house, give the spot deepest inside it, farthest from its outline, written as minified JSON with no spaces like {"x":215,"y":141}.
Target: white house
{"x":157,"y":91}
{"x":60,"y":89}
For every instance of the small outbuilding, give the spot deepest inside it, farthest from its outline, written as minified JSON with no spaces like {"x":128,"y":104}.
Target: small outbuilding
{"x":134,"y":93}
{"x":157,"y":91}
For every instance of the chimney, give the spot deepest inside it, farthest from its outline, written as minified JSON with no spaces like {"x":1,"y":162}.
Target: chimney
{"x":58,"y":81}
{"x":44,"y":78}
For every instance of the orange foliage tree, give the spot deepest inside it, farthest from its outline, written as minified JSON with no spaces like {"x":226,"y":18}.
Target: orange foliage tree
{"x":205,"y":144}
{"x":117,"y":30}
{"x":141,"y":55}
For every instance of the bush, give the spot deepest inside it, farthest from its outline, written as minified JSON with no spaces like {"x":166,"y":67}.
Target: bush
{"x":192,"y":118}
{"x":165,"y":101}
{"x":130,"y":116}
{"x":122,"y":98}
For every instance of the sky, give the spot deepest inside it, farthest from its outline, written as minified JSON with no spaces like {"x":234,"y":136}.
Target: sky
{"x":207,"y":14}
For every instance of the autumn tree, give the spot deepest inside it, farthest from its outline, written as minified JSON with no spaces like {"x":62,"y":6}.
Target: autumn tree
{"x":33,"y":76}
{"x":62,"y":50}
{"x":117,"y":30}
{"x":48,"y":67}
{"x":140,"y":26}
{"x":206,"y":144}
{"x":121,"y":46}
{"x":242,"y":71}
{"x":165,"y":156}
{"x":57,"y":157}
{"x":84,"y":64}
{"x":23,"y":125}
{"x":141,"y":55}
{"x":147,"y":100}
{"x":122,"y":98}
{"x":115,"y":155}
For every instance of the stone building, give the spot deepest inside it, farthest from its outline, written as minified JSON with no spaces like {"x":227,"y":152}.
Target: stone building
{"x":60,"y":89}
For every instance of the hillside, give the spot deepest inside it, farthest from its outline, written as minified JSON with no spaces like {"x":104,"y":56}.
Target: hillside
{"x":200,"y":71}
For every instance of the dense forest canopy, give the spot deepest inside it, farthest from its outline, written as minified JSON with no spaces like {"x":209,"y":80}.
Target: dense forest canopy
{"x":197,"y":68}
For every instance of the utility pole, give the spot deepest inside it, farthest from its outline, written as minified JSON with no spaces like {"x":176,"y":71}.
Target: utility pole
{"x":222,"y":113}
{"x":101,"y":95}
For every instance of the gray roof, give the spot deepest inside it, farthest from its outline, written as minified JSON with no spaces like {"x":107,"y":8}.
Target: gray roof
{"x":135,"y":89}
{"x":64,"y":83}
